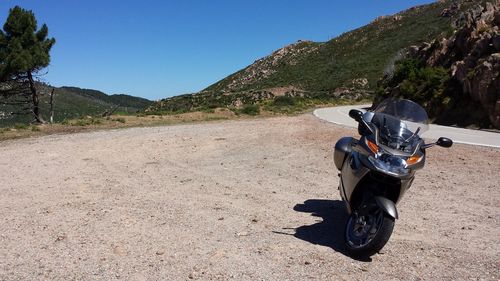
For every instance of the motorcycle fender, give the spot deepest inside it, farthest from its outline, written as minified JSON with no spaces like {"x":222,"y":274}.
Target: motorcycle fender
{"x":342,"y":149}
{"x":387,"y":205}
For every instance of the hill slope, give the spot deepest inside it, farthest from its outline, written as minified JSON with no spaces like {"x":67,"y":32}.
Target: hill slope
{"x":350,"y":63}
{"x":455,"y":78}
{"x":134,"y":103}
{"x":361,"y":53}
{"x":73,"y":102}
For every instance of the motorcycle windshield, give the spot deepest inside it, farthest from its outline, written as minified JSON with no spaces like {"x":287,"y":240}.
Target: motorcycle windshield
{"x":400,"y":123}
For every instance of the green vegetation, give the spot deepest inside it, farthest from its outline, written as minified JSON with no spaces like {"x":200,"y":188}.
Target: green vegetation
{"x":20,"y":126}
{"x":73,"y":103}
{"x":361,"y":53}
{"x":314,"y":72}
{"x":284,"y":101}
{"x":208,"y":101}
{"x":124,"y":101}
{"x":89,"y":123}
{"x":250,"y":109}
{"x":294,"y":79}
{"x":413,"y":80}
{"x":120,"y":119}
{"x":448,"y":77}
{"x":24,"y":51}
{"x":433,"y":88}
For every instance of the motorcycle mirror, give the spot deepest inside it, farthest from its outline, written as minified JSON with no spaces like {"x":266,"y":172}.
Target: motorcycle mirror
{"x":355,"y":114}
{"x":444,"y":142}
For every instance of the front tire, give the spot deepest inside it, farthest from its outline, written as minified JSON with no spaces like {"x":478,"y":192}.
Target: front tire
{"x":365,"y":235}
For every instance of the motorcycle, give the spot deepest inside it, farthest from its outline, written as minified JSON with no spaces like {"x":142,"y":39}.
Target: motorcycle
{"x":377,"y":170}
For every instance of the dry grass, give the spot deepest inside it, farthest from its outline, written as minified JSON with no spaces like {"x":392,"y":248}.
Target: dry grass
{"x":119,"y":121}
{"x":112,"y":122}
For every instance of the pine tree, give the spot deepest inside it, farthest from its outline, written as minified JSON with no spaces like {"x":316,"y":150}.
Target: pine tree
{"x":24,"y":52}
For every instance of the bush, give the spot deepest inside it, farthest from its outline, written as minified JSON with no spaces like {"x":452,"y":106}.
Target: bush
{"x":415,"y":81}
{"x":284,"y":101}
{"x":20,"y":126}
{"x":207,"y":110}
{"x":86,"y":122}
{"x":80,"y":122}
{"x":251,"y":109}
{"x":121,"y":120}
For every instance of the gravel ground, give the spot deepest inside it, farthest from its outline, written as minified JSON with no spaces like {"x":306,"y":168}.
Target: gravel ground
{"x":245,"y":200}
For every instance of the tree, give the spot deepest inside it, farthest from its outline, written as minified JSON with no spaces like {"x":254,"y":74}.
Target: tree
{"x":24,"y":52}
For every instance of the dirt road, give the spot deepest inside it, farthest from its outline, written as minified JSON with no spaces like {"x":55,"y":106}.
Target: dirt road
{"x":243,"y":200}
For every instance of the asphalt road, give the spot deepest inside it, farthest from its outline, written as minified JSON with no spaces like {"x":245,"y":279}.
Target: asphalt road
{"x":340,"y":115}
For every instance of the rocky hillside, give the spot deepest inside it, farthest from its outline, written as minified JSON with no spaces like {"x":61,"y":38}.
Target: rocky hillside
{"x":361,"y":54}
{"x":348,"y":66}
{"x":467,"y":65}
{"x":266,"y":68}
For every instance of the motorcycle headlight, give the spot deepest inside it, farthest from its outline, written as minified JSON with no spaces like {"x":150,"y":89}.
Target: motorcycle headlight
{"x":386,"y":162}
{"x":390,"y":164}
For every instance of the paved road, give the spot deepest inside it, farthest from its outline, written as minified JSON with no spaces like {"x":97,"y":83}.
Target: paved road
{"x":340,"y":115}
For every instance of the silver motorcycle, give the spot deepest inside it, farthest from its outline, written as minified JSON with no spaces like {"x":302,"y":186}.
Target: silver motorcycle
{"x":377,"y":170}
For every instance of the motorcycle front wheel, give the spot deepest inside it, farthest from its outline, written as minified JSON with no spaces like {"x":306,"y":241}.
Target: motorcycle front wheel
{"x":365,"y":235}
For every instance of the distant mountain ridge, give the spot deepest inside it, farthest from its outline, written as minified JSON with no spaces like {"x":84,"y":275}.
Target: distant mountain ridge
{"x":123,"y":100}
{"x":74,"y":102}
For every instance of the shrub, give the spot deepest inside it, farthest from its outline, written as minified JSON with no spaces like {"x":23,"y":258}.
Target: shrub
{"x":207,"y":110}
{"x":284,"y":101}
{"x":80,"y":122}
{"x":20,"y":126}
{"x":251,"y":109}
{"x":428,"y":86}
{"x":121,"y":120}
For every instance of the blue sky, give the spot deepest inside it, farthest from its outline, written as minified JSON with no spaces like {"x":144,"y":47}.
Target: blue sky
{"x":157,"y":49}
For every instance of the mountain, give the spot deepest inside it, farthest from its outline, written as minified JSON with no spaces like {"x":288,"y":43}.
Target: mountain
{"x":359,"y":54}
{"x":348,"y":65}
{"x":73,"y":102}
{"x":126,"y":101}
{"x":457,"y":79}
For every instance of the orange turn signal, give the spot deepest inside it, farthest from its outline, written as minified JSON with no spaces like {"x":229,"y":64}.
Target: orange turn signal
{"x":373,"y":147}
{"x":413,"y":159}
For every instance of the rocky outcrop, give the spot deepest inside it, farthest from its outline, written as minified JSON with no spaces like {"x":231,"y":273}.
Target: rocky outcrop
{"x":265,"y":67}
{"x":472,"y":54}
{"x":357,"y":89}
